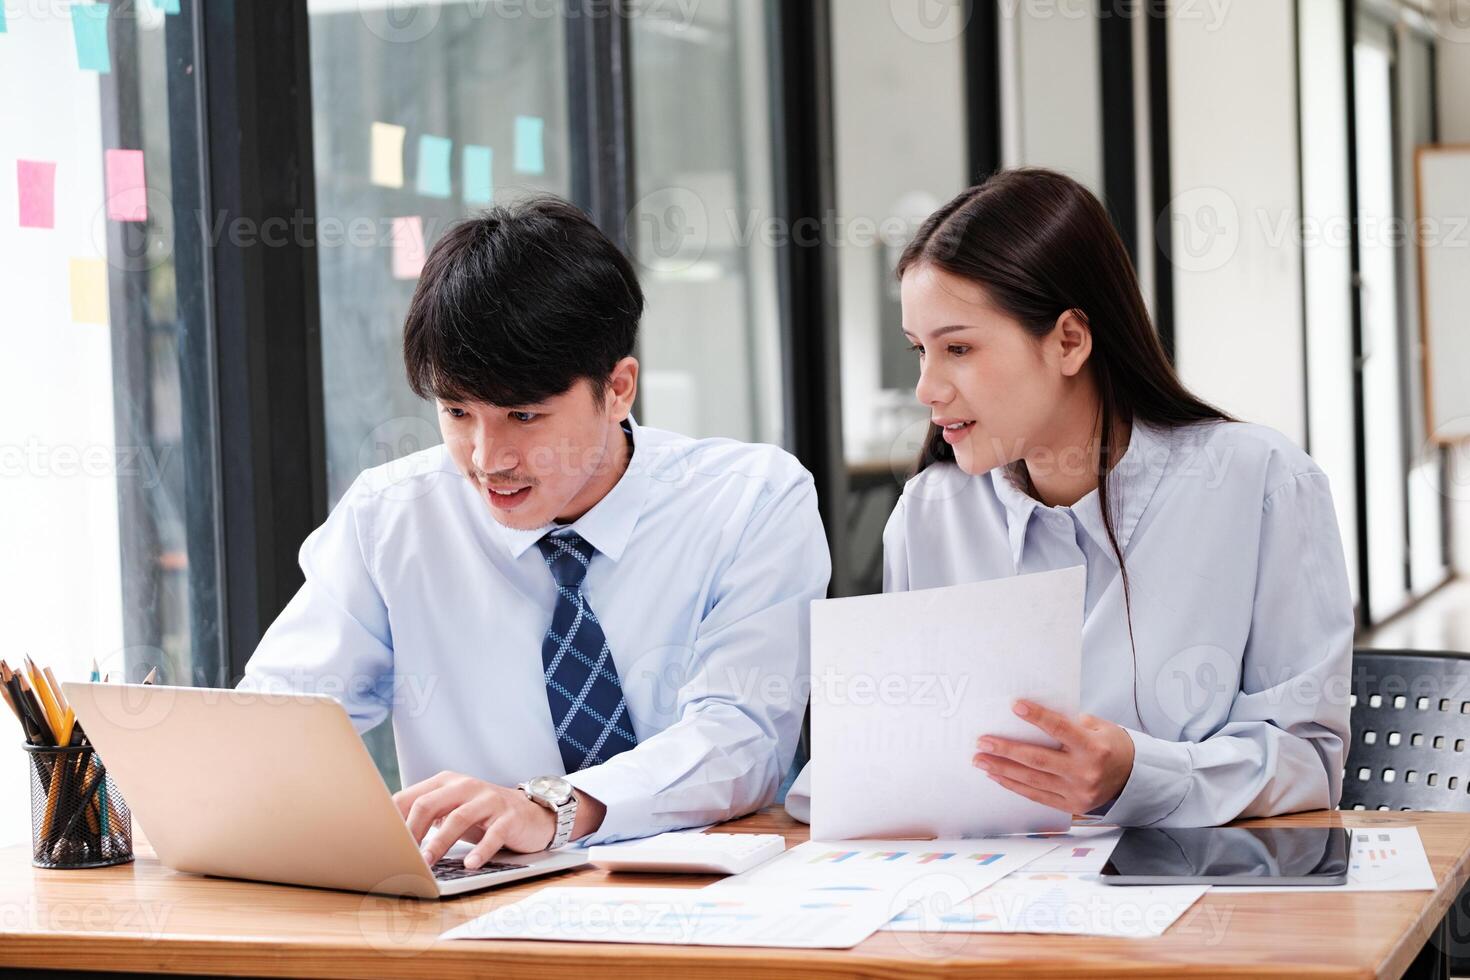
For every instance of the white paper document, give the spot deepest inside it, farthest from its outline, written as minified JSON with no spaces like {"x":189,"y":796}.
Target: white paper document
{"x":684,"y":917}
{"x":1383,"y":859}
{"x":1052,"y":902}
{"x":903,"y":684}
{"x":1081,"y":850}
{"x":932,"y":873}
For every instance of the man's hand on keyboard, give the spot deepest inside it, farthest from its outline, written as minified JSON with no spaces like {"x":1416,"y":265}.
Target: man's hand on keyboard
{"x":471,"y":809}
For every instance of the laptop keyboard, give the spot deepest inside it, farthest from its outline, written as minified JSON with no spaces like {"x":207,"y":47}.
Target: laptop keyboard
{"x":451,"y":869}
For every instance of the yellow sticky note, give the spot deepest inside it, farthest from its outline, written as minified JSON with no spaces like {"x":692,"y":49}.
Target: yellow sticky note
{"x":89,"y":291}
{"x":387,"y":162}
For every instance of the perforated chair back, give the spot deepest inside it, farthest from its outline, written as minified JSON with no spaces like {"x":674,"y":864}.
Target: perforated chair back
{"x":1411,"y":731}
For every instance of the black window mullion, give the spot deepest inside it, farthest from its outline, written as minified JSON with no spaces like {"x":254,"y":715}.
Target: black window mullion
{"x":1161,"y":170}
{"x":982,"y":88}
{"x":805,"y":191}
{"x":199,"y":410}
{"x":266,"y":306}
{"x":1360,"y":440}
{"x":601,"y":113}
{"x":132,"y":382}
{"x":1120,"y":171}
{"x":600,"y":116}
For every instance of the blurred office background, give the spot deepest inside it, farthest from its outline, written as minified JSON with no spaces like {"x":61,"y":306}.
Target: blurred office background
{"x":220,"y":208}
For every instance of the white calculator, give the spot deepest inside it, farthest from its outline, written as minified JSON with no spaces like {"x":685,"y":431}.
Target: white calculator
{"x":689,"y":852}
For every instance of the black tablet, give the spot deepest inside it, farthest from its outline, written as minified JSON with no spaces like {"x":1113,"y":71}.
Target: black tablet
{"x":1229,"y":856}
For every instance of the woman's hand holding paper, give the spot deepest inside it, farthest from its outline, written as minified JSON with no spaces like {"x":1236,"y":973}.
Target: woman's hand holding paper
{"x":1088,"y":770}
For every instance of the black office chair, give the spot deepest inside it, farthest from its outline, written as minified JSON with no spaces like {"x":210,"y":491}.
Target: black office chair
{"x":1411,"y":751}
{"x":1411,"y":732}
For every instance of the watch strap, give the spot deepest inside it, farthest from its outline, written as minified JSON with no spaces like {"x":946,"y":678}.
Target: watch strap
{"x":565,"y":813}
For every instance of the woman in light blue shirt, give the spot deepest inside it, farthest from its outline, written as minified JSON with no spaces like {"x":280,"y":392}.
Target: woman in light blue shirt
{"x":1218,"y":621}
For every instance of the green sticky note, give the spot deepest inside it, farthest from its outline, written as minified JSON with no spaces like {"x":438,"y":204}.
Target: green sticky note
{"x":479,"y":179}
{"x":89,"y":28}
{"x":434,"y":156}
{"x":530,"y":156}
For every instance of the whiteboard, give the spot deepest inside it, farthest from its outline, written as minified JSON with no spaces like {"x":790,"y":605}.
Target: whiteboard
{"x":1442,"y":179}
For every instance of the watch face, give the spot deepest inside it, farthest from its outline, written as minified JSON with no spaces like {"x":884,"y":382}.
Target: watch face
{"x":554,"y":789}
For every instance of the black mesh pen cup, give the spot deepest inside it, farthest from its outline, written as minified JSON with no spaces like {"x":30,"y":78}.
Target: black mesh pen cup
{"x":78,"y":817}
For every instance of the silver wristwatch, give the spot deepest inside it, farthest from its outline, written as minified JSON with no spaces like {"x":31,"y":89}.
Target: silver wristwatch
{"x":556,"y":795}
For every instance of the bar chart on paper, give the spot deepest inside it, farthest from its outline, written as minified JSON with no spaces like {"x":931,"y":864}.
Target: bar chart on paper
{"x":1081,"y":850}
{"x":931,"y":873}
{"x":893,"y":866}
{"x":1383,"y":859}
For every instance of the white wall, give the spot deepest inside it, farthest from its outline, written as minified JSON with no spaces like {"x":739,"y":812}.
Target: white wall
{"x":899,"y":130}
{"x":1328,"y":259}
{"x":1452,"y":58}
{"x":1049,"y":83}
{"x":1237,"y":280}
{"x":60,"y":575}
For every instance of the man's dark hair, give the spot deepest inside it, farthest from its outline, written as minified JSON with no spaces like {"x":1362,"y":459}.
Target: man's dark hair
{"x":518,"y":303}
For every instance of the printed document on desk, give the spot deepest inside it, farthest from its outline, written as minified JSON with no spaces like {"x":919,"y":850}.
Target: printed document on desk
{"x":1383,"y":859}
{"x":903,"y":685}
{"x":1055,"y":902}
{"x":892,"y":866}
{"x":685,"y":917}
{"x":930,"y":874}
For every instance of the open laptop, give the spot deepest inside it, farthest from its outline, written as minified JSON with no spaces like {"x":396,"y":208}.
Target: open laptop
{"x":271,"y":787}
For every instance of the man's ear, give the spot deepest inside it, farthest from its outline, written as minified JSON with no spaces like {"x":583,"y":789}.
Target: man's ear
{"x":622,"y":388}
{"x":1075,"y":337}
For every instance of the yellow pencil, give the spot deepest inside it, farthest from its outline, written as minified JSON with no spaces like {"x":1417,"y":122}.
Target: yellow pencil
{"x":48,"y":700}
{"x":68,"y":716}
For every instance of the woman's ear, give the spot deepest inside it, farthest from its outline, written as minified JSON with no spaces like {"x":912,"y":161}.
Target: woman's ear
{"x":1075,"y":338}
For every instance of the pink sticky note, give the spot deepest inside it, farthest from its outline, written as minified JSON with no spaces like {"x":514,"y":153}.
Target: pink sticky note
{"x":36,"y":182}
{"x":408,"y":247}
{"x":127,"y":192}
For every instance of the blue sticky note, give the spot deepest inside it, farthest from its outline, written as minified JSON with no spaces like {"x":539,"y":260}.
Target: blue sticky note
{"x":89,"y":27}
{"x":435,"y":153}
{"x":479,"y":180}
{"x":530,"y":157}
{"x":167,"y":6}
{"x":2,"y":17}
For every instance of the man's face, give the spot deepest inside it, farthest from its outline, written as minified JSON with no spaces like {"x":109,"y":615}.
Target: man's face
{"x":533,"y":464}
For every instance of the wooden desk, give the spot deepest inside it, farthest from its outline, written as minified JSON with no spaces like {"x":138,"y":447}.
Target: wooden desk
{"x":145,"y":918}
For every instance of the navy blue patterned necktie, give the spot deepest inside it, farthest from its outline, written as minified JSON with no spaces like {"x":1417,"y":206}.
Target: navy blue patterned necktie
{"x":582,"y":685}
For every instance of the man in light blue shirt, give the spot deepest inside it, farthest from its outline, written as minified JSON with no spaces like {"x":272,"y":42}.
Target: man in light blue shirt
{"x":557,"y":591}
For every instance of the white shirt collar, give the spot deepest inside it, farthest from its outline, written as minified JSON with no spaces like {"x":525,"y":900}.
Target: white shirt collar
{"x":1131,"y":485}
{"x":609,"y":524}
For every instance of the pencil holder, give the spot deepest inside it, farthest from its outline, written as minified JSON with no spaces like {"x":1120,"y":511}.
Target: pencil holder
{"x":78,"y":818}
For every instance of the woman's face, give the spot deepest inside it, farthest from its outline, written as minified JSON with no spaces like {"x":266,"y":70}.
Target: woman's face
{"x":997,"y":392}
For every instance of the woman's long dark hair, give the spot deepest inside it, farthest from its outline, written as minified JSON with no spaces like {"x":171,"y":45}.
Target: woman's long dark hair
{"x":1040,"y":244}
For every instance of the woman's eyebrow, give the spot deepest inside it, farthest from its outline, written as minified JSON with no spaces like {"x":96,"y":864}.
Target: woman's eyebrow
{"x":941,"y":331}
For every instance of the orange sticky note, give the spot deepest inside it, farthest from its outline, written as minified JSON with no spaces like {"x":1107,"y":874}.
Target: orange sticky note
{"x":127,"y":191}
{"x":408,"y":247}
{"x":89,"y":291}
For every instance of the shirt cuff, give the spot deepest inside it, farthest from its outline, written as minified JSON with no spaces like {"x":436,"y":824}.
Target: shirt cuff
{"x":1157,"y":785}
{"x":627,"y":804}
